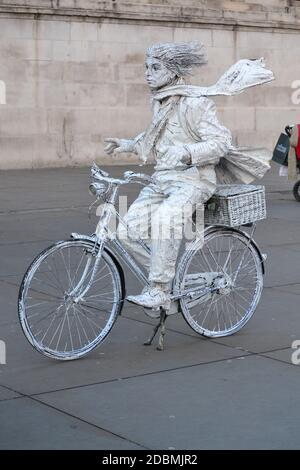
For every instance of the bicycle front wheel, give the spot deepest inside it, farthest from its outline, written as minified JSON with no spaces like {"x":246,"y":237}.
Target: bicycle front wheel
{"x":55,"y":319}
{"x":223,"y":311}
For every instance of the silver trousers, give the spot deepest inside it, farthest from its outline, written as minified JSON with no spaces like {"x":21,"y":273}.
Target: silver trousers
{"x":161,"y":216}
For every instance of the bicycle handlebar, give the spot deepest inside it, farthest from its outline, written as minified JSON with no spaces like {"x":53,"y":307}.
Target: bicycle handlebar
{"x":129,"y":176}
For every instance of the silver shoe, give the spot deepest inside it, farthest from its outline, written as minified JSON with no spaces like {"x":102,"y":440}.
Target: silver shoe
{"x":153,"y":298}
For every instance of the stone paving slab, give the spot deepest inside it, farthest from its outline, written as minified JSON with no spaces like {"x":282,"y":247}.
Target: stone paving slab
{"x":241,"y":404}
{"x":282,"y":266}
{"x":292,"y":288}
{"x":27,"y":424}
{"x":277,"y":232}
{"x":15,"y":259}
{"x":43,"y":225}
{"x":285,"y":355}
{"x":6,"y":394}
{"x":8,"y":310}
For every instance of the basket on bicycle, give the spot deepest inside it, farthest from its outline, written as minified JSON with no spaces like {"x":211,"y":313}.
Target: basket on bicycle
{"x":236,"y":204}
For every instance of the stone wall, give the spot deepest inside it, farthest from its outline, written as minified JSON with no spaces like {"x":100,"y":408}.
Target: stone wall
{"x":73,"y":71}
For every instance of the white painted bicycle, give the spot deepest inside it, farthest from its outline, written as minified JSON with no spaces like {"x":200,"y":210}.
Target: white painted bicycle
{"x":74,"y":291}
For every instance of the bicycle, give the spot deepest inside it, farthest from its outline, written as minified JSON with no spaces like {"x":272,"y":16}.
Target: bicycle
{"x":73,"y":292}
{"x":296,"y":187}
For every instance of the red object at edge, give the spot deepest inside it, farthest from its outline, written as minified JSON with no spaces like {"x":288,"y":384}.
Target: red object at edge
{"x":298,"y":145}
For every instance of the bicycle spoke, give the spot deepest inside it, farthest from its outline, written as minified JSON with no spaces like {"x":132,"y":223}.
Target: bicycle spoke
{"x":89,"y":324}
{"x":53,"y":319}
{"x":75,"y":316}
{"x":46,"y":283}
{"x":90,"y":320}
{"x":56,"y":272}
{"x":40,"y":303}
{"x":95,"y":307}
{"x":62,"y":327}
{"x":71,"y":338}
{"x":83,"y":329}
{"x":100,"y":295}
{"x":65,"y":264}
{"x":57,"y":281}
{"x":78,"y":266}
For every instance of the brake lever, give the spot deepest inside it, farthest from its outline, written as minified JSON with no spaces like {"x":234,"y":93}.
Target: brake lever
{"x":96,"y":169}
{"x":128,"y":174}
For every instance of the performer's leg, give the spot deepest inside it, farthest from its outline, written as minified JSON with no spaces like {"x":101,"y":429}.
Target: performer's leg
{"x":138,"y":220}
{"x":169,"y":224}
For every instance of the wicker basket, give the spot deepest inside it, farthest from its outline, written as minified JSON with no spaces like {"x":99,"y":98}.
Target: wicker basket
{"x":236,"y":204}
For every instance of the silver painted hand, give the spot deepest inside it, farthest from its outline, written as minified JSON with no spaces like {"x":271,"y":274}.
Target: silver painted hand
{"x":116,"y":145}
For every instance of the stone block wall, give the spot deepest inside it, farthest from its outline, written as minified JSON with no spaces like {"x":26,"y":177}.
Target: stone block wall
{"x":71,"y":72}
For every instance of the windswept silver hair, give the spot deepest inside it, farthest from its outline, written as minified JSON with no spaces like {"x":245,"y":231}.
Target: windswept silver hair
{"x":180,"y":57}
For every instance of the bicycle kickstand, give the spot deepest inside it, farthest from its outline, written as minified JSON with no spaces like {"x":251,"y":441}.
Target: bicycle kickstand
{"x":161,"y":324}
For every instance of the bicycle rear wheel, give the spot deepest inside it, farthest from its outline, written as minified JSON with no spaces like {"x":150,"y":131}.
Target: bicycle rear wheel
{"x":296,"y":191}
{"x":56,"y":323}
{"x":224,"y":311}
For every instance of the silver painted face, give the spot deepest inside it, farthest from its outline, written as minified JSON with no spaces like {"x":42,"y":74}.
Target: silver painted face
{"x":157,"y":74}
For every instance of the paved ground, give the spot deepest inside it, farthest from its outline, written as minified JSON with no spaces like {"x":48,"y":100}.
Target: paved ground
{"x":237,"y":392}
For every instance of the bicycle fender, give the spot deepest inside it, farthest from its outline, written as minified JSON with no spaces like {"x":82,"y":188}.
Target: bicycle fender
{"x":121,"y":273}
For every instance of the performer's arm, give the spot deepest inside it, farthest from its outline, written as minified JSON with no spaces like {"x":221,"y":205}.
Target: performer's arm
{"x":214,"y":139}
{"x":115,"y":145}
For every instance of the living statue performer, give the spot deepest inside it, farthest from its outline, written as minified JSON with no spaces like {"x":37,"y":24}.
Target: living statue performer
{"x":193,"y":152}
